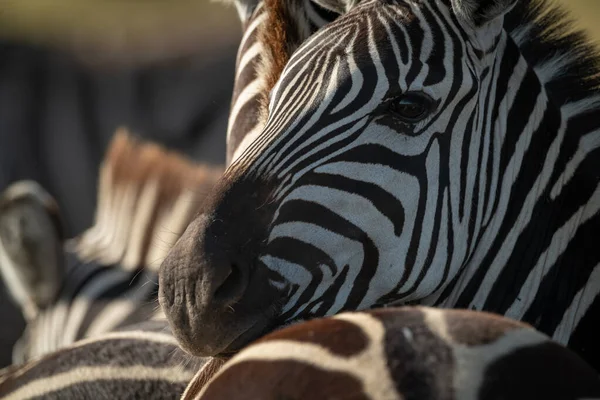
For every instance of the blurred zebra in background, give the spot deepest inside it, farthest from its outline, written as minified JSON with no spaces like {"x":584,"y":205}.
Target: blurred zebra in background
{"x":139,"y":361}
{"x":106,"y":278}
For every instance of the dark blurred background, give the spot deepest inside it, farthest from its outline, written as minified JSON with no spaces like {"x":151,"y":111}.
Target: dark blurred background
{"x":72,"y":71}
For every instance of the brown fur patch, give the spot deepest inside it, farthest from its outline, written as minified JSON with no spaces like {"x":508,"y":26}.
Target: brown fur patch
{"x":277,"y":380}
{"x":338,"y":336}
{"x":136,"y":161}
{"x":279,"y":36}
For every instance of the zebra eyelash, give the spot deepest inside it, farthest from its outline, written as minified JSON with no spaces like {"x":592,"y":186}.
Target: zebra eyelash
{"x":384,"y":117}
{"x":415,"y":127}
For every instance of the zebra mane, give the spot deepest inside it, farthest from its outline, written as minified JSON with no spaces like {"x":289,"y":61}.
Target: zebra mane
{"x":278,"y":34}
{"x":146,"y":197}
{"x":565,"y":60}
{"x":284,"y":30}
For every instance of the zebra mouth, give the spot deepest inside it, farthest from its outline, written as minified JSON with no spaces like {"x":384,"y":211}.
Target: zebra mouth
{"x":265,"y":324}
{"x":253,"y":333}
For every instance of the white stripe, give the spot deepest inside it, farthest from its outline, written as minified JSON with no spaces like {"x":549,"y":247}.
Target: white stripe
{"x":45,"y":386}
{"x":376,"y":379}
{"x":253,"y":88}
{"x":15,"y":285}
{"x":587,"y":144}
{"x":148,"y":201}
{"x":85,"y":299}
{"x":578,"y":307}
{"x":559,"y":243}
{"x":249,"y":55}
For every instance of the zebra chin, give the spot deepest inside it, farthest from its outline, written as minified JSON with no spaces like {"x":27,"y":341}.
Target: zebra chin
{"x":207,"y":329}
{"x":211,"y":336}
{"x":214,"y":304}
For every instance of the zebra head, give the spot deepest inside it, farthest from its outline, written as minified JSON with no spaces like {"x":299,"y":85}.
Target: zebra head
{"x":374,"y":179}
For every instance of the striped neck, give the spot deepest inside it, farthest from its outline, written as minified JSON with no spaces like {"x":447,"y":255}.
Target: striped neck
{"x":272,"y":32}
{"x":532,"y":255}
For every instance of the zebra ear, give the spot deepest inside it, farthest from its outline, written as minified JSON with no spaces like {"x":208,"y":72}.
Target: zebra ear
{"x":31,"y":246}
{"x":483,"y":18}
{"x":478,"y":13}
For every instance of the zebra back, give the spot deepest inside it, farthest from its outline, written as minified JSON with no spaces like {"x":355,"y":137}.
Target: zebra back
{"x":147,"y":195}
{"x":142,"y":361}
{"x":401,"y":353}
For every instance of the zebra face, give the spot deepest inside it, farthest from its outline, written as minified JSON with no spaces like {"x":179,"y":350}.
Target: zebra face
{"x":355,"y":193}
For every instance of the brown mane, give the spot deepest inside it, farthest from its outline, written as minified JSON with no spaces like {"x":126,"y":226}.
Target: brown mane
{"x":280,"y":36}
{"x":167,"y":190}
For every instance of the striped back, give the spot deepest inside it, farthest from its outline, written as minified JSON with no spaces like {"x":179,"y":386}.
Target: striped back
{"x":147,"y":195}
{"x":401,"y":353}
{"x":94,"y":299}
{"x":141,"y":361}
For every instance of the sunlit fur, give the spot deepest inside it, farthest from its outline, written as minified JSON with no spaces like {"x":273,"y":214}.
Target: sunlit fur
{"x":273,"y":29}
{"x":401,"y":353}
{"x":485,"y":197}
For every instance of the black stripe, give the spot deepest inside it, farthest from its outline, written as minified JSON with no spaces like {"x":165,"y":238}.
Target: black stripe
{"x":305,"y":211}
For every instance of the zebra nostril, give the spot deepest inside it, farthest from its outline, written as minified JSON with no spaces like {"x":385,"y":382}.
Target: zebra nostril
{"x":233,"y":287}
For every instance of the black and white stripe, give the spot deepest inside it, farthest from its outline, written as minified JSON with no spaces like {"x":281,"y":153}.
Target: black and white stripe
{"x":63,"y":298}
{"x":141,"y":361}
{"x":254,"y":65}
{"x":93,"y":300}
{"x":491,"y":202}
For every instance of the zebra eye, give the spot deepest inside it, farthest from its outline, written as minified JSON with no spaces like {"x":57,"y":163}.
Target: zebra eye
{"x":411,"y":107}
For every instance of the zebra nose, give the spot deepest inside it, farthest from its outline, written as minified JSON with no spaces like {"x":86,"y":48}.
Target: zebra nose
{"x":214,"y":301}
{"x":204,"y":279}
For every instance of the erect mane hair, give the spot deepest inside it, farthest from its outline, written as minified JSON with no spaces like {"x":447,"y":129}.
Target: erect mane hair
{"x":545,"y":34}
{"x":147,"y":195}
{"x":284,"y":30}
{"x":280,"y":36}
